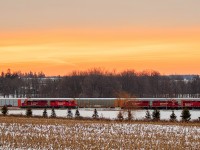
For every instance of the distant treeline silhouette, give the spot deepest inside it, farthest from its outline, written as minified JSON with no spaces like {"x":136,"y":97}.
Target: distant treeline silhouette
{"x":98,"y":83}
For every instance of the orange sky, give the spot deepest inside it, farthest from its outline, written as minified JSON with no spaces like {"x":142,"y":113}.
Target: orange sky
{"x":58,"y":37}
{"x":61,"y":51}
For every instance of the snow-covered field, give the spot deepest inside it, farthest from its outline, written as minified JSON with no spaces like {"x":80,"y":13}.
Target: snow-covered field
{"x":111,"y":114}
{"x":30,"y":133}
{"x":38,"y":133}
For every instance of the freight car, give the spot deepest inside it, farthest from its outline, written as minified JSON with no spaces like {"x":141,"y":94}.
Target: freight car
{"x":49,"y":103}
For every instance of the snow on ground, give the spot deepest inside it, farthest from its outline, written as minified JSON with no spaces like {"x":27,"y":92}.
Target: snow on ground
{"x":98,"y":136}
{"x":110,"y":114}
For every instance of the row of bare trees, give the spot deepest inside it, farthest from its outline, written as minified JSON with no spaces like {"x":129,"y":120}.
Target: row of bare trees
{"x":97,"y":83}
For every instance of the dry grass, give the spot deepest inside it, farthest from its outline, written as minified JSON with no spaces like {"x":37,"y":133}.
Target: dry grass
{"x":40,"y":133}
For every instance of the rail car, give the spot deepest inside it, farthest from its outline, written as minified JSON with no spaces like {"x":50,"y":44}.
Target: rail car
{"x":48,"y":103}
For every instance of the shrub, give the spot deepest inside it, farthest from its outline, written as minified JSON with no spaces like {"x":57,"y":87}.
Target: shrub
{"x":120,"y":116}
{"x":45,"y":113}
{"x":173,"y":116}
{"x":185,"y":115}
{"x":156,"y":115}
{"x":95,"y":115}
{"x":29,"y":112}
{"x":4,"y":110}
{"x":69,"y":113}
{"x":77,"y":113}
{"x":148,"y":115}
{"x":130,"y":115}
{"x":53,"y":113}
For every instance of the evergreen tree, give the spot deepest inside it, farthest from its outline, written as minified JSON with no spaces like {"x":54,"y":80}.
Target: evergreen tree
{"x":77,"y":114}
{"x":29,"y":112}
{"x":156,"y":115}
{"x":120,"y":116}
{"x":130,"y":115}
{"x":4,"y":110}
{"x":53,"y":113}
{"x":69,"y":113}
{"x":95,"y":115}
{"x":148,"y":115}
{"x":173,"y":116}
{"x":45,"y":113}
{"x":185,"y":115}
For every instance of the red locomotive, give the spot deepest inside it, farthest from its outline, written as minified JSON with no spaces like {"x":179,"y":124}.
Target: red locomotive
{"x":162,"y":104}
{"x":49,"y":103}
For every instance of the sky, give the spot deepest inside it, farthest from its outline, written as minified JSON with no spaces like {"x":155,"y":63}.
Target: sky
{"x":58,"y":37}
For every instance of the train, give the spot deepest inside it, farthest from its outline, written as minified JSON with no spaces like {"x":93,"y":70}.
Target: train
{"x":49,"y":103}
{"x":124,"y":103}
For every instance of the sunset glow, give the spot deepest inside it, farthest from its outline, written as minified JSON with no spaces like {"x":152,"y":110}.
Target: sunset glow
{"x":59,"y":50}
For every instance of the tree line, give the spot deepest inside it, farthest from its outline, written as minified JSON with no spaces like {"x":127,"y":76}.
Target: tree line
{"x":99,"y":84}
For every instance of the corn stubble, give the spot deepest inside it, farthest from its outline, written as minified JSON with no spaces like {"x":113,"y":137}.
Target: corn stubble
{"x":34,"y":133}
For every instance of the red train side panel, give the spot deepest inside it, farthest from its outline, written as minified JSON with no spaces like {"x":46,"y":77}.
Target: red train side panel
{"x":35,"y":103}
{"x":191,"y":104}
{"x":136,"y":104}
{"x":47,"y":103}
{"x":165,"y":104}
{"x":196,"y":104}
{"x":19,"y":103}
